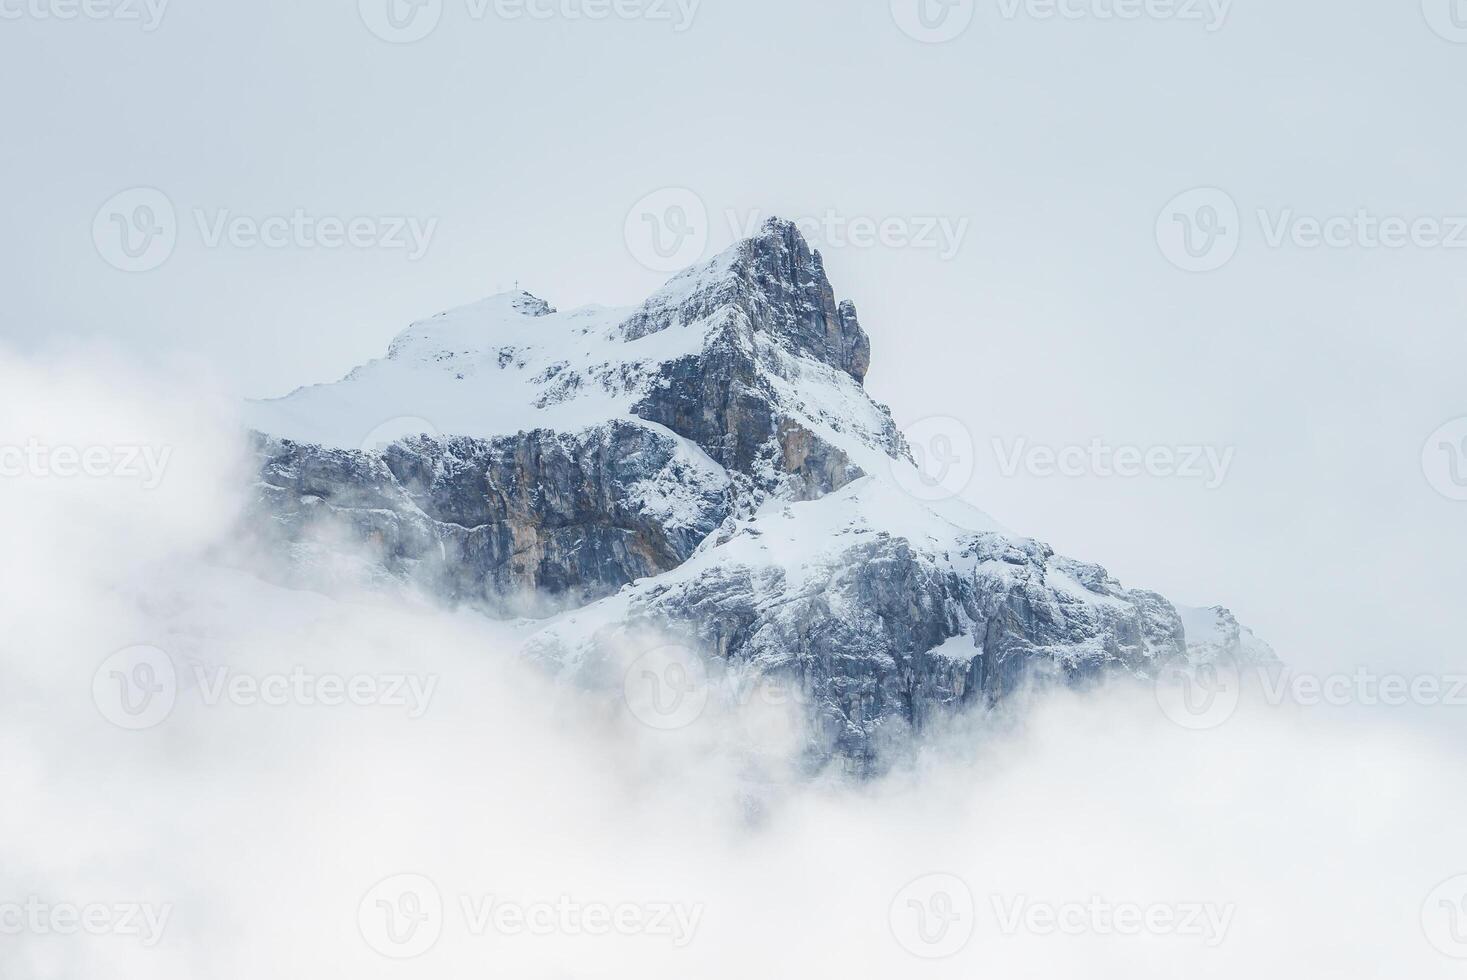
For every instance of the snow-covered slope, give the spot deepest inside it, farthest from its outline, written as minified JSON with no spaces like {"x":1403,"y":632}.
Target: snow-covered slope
{"x":1214,"y":635}
{"x":880,"y":610}
{"x":706,"y":469}
{"x":511,"y":363}
{"x":496,"y":367}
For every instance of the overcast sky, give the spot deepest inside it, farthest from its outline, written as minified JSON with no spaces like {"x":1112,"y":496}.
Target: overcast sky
{"x":1040,"y":278}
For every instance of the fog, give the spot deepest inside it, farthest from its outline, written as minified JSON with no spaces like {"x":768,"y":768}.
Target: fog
{"x":460,"y":813}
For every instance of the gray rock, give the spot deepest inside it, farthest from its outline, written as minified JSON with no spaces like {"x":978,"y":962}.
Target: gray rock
{"x":659,"y":519}
{"x":778,"y":285}
{"x":516,"y":525}
{"x":887,"y":637}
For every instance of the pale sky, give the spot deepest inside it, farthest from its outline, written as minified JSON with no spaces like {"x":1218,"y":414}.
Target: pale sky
{"x":1053,"y":143}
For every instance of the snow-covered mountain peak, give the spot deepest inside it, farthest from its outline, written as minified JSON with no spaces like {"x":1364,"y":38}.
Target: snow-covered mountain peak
{"x":749,"y":356}
{"x":471,"y":328}
{"x":772,"y":283}
{"x":710,"y":467}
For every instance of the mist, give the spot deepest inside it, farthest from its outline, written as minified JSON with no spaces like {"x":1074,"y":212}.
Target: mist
{"x":364,"y":784}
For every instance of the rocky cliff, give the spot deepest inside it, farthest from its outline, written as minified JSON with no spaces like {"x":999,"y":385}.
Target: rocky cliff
{"x":708,"y":469}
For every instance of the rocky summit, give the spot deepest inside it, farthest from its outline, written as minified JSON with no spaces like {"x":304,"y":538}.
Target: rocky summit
{"x":706,"y":469}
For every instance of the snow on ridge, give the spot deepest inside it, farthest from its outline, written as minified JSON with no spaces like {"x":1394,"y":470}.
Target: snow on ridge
{"x":801,"y":540}
{"x":496,"y":367}
{"x":512,"y":363}
{"x":1214,"y":634}
{"x":470,"y":327}
{"x":667,"y":302}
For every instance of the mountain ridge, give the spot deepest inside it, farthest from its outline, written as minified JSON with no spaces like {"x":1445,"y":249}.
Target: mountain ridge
{"x":706,"y":467}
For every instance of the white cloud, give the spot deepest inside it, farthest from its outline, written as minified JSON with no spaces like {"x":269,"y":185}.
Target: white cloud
{"x":265,"y":827}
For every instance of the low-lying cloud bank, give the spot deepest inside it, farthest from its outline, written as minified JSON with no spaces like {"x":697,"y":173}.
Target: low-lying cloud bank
{"x":210,"y":776}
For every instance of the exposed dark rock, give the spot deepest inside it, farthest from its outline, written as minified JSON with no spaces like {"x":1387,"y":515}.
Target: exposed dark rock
{"x":887,"y":638}
{"x":513,"y":524}
{"x":758,"y":403}
{"x":779,"y":286}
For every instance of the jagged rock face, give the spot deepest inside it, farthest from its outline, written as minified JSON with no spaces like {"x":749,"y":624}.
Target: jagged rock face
{"x":511,"y":522}
{"x":773,"y":312}
{"x":780,"y":287}
{"x":707,"y":467}
{"x":559,"y":517}
{"x":721,"y":400}
{"x":882,"y":637}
